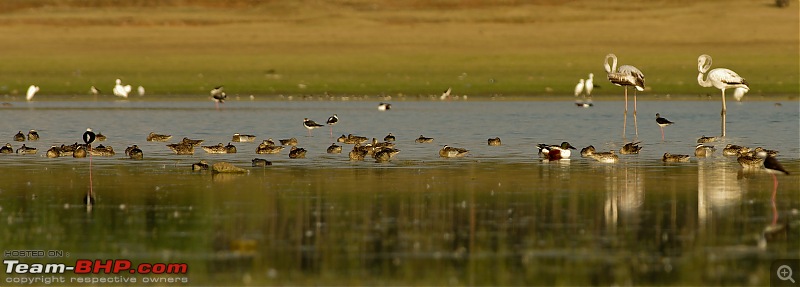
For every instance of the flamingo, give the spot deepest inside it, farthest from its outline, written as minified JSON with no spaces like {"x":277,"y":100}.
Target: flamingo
{"x":31,"y":92}
{"x":722,"y":79}
{"x":120,"y":90}
{"x":627,"y":75}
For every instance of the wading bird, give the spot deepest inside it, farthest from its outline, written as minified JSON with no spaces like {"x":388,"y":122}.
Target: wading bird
{"x":332,"y":120}
{"x":625,"y":76}
{"x":32,"y":90}
{"x":218,"y":95}
{"x":310,"y":125}
{"x":120,"y":90}
{"x":721,"y":79}
{"x":662,"y":122}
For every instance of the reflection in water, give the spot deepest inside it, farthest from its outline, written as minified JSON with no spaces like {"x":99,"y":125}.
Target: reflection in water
{"x":717,"y":189}
{"x":624,"y":195}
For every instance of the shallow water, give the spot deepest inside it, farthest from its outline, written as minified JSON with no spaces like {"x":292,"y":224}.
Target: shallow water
{"x":499,"y":216}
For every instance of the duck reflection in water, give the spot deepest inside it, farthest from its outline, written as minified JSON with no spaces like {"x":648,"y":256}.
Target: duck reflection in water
{"x":624,"y":196}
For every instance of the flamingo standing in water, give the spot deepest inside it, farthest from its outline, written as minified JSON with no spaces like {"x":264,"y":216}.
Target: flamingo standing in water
{"x":722,"y":79}
{"x":625,"y":76}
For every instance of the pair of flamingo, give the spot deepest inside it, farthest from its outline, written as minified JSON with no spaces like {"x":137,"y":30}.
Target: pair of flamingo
{"x":719,"y":78}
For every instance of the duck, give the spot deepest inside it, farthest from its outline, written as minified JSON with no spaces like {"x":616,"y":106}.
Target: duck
{"x":734,"y":150}
{"x":259,"y":162}
{"x":587,"y":151}
{"x":494,"y":142}
{"x":26,"y":150}
{"x":194,"y":143}
{"x":53,"y":152}
{"x":154,"y":137}
{"x":268,"y":147}
{"x":751,"y":160}
{"x":630,"y":148}
{"x":605,"y":157}
{"x":19,"y":137}
{"x":564,"y":150}
{"x":389,"y":138}
{"x":668,"y":157}
{"x":219,"y":148}
{"x":7,"y":149}
{"x":79,"y":152}
{"x":358,"y":152}
{"x":702,"y":150}
{"x":705,"y":139}
{"x":237,"y":137}
{"x":33,"y":135}
{"x":423,"y":139}
{"x":181,"y":148}
{"x":767,"y":151}
{"x":296,"y":152}
{"x":384,"y":106}
{"x":230,"y":148}
{"x":334,"y":148}
{"x":385,"y":154}
{"x":100,"y":137}
{"x":67,"y":150}
{"x":202,"y":165}
{"x":352,"y":139}
{"x":448,"y":151}
{"x":135,"y":152}
{"x":101,"y":150}
{"x":291,"y":142}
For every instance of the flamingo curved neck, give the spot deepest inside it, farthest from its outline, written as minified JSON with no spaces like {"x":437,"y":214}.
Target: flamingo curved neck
{"x":613,"y":66}
{"x":703,"y":82}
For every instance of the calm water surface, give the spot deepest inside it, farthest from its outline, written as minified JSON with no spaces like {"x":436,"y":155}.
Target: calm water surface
{"x":497,"y":217}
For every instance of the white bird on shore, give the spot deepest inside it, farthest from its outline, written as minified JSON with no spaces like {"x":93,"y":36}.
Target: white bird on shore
{"x":141,"y":91}
{"x":445,"y":95}
{"x":721,"y":79}
{"x":31,"y":92}
{"x":94,"y":90}
{"x":579,"y":88}
{"x":589,"y":85}
{"x":120,"y":90}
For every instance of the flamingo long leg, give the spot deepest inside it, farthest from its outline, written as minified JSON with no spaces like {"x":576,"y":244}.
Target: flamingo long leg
{"x":625,"y":114}
{"x":635,"y":122}
{"x":724,"y":112}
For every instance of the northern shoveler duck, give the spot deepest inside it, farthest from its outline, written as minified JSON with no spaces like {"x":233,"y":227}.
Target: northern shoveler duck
{"x":384,"y":106}
{"x":662,"y":122}
{"x":702,"y":150}
{"x":219,"y":148}
{"x":291,"y":142}
{"x":19,"y":137}
{"x":26,"y":150}
{"x":135,"y":152}
{"x":334,"y":148}
{"x":153,"y":137}
{"x":181,"y":148}
{"x":296,"y":152}
{"x":448,"y":151}
{"x":630,"y":148}
{"x":268,"y":147}
{"x":389,"y":138}
{"x":7,"y":149}
{"x":230,"y":148}
{"x":53,"y":152}
{"x":587,"y":151}
{"x":734,"y":150}
{"x":100,"y":137}
{"x":564,"y":150}
{"x":191,"y":142}
{"x":385,"y":154}
{"x":705,"y":139}
{"x":605,"y":157}
{"x":33,"y":135}
{"x":202,"y":165}
{"x":310,"y":125}
{"x":243,"y":138}
{"x":494,"y":142}
{"x":423,"y":139}
{"x":101,"y":150}
{"x":675,"y":157}
{"x":260,"y":162}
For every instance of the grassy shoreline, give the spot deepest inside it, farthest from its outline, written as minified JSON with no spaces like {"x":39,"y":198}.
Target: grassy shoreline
{"x":379,"y":47}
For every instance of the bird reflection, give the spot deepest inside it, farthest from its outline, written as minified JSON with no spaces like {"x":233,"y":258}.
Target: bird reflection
{"x":625,"y":195}
{"x":717,"y":189}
